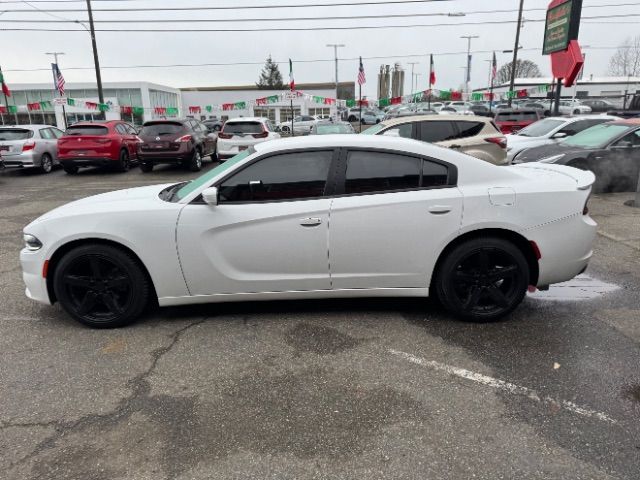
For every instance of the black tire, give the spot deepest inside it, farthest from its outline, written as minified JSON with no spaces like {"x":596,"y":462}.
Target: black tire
{"x":352,"y":118}
{"x":576,"y":112}
{"x":70,"y":169}
{"x":285,"y":129}
{"x":46,"y":163}
{"x":146,"y":167}
{"x":101,"y":286}
{"x":482,"y":279}
{"x":124,"y":164}
{"x":214,"y":156}
{"x":195,"y":164}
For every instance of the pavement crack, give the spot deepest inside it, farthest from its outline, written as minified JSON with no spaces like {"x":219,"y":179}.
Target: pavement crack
{"x":126,"y":406}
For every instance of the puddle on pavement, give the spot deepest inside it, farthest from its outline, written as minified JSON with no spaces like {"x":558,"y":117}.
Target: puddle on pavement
{"x":583,"y":287}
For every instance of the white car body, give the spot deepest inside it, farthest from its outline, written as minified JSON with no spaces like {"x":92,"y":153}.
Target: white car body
{"x":302,"y":124}
{"x":377,"y":244}
{"x":559,"y":128}
{"x":229,"y":147}
{"x":573,"y":107}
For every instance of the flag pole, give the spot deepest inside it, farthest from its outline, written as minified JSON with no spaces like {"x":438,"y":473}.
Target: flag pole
{"x":26,"y":97}
{"x":6,"y":102}
{"x":430,"y":77}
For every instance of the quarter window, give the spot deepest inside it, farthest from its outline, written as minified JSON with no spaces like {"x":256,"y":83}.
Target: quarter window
{"x":469,"y":129}
{"x":380,"y":172}
{"x":288,"y":176}
{"x":437,"y":131}
{"x":46,"y":134}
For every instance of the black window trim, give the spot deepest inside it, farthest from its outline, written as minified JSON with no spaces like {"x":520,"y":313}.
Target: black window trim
{"x":339,"y":187}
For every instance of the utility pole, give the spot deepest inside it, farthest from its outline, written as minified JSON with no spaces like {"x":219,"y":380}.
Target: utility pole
{"x":412,"y":65}
{"x":467,"y":78}
{"x":95,"y":52}
{"x":55,"y":87}
{"x":515,"y":52}
{"x":335,"y":56}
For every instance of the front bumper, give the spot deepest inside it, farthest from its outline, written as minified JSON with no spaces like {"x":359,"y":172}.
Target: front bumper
{"x":32,"y":267}
{"x":22,"y":160}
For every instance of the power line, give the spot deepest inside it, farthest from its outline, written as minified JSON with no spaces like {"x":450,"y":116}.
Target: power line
{"x":285,"y":62}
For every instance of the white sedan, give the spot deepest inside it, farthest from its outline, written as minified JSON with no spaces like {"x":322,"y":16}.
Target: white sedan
{"x":318,"y":217}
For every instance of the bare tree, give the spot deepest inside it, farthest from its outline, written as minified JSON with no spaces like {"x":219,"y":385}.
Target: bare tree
{"x":524,"y":69}
{"x":626,"y":60}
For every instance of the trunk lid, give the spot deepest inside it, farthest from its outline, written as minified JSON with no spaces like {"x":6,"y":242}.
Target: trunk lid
{"x":12,"y":140}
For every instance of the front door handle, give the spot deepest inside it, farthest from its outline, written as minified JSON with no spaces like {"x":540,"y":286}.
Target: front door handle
{"x":310,"y":221}
{"x":439,"y":209}
{"x":455,"y":146}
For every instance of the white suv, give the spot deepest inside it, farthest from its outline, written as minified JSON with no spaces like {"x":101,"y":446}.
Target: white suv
{"x":239,"y":134}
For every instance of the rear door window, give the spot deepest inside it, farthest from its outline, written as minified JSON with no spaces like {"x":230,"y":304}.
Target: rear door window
{"x":437,"y":131}
{"x":87,"y":130}
{"x":46,"y":134}
{"x":469,"y":129}
{"x":405,"y":131}
{"x":369,"y":172}
{"x":120,"y":129}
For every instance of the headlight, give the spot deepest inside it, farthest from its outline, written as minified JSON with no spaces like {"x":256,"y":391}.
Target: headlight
{"x":551,"y":159}
{"x":31,"y":242}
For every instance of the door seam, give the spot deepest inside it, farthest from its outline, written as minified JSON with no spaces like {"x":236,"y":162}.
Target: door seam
{"x":329,"y":244}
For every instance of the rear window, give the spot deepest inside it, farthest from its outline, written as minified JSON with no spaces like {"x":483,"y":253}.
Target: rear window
{"x":87,"y":130}
{"x":242,"y":127}
{"x":517,"y":117}
{"x":15,"y":134}
{"x":160,"y":129}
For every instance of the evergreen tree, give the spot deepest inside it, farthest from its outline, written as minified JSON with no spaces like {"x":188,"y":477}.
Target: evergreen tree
{"x":270,"y":77}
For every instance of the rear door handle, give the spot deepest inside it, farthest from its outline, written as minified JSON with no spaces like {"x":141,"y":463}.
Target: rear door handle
{"x":310,"y":221}
{"x":455,"y":146}
{"x":439,"y":209}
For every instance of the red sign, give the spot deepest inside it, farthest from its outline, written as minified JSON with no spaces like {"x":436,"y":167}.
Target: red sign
{"x":567,"y":63}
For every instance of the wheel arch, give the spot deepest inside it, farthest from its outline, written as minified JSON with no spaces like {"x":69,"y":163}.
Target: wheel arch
{"x":67,"y":247}
{"x":517,"y":239}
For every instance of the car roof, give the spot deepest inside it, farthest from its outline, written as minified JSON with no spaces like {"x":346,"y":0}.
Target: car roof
{"x":434,"y":118}
{"x":31,"y":126}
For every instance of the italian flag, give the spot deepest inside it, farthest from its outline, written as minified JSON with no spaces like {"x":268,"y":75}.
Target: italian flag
{"x":292,"y":83}
{"x":5,"y":89}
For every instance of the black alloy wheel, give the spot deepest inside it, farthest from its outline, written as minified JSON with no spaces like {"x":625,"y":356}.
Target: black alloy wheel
{"x":46,"y":163}
{"x":124,"y":164}
{"x":483,"y":279}
{"x":195,"y":164}
{"x":101,"y":286}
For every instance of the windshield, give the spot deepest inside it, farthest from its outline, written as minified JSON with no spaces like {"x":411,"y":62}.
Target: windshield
{"x":160,"y":129}
{"x":540,"y":128}
{"x":336,"y":128}
{"x":373,"y":130}
{"x":87,"y":130}
{"x":597,"y":136}
{"x":15,"y":134}
{"x":203,"y":179}
{"x":242,"y":127}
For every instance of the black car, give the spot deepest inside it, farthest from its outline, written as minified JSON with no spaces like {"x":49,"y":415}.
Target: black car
{"x":598,"y":105}
{"x":185,"y":142}
{"x":610,"y":150}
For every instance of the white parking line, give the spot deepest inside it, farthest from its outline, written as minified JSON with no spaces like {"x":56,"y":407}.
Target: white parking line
{"x":502,"y":385}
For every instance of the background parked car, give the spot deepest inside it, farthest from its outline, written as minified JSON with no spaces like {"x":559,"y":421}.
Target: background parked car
{"x":610,"y":150}
{"x":371,"y":117}
{"x":475,"y":136}
{"x":598,"y":105}
{"x":302,"y":125}
{"x":512,"y":120}
{"x":238,"y":134}
{"x":331,"y":128}
{"x":185,"y":142}
{"x":550,"y":130}
{"x":98,"y":144}
{"x":29,"y":146}
{"x":573,"y":107}
{"x":213,"y":125}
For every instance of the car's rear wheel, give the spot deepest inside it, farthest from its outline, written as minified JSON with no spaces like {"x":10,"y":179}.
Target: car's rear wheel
{"x":46,"y":163}
{"x":101,"y":286}
{"x":146,"y":167}
{"x":576,"y":111}
{"x":124,"y":164}
{"x":482,"y":279}
{"x":195,"y":164}
{"x":70,"y":169}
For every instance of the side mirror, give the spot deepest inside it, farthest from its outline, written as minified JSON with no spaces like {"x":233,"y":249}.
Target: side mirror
{"x":624,"y":144}
{"x":210,"y":196}
{"x":559,"y":135}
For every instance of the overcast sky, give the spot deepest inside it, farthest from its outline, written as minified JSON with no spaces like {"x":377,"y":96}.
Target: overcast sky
{"x":25,"y":50}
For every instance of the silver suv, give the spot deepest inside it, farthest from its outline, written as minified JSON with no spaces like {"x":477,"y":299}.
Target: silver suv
{"x":475,"y":136}
{"x":29,"y":146}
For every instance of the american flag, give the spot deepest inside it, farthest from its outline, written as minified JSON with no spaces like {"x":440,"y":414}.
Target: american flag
{"x":494,"y":68}
{"x":58,"y":79}
{"x":362,"y":79}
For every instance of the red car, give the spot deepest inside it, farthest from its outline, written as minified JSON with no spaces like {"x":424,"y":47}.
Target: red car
{"x":98,"y":144}
{"x":510,"y":121}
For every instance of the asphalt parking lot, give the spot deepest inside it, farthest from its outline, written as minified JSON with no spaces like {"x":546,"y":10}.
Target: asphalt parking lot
{"x":324,"y":389}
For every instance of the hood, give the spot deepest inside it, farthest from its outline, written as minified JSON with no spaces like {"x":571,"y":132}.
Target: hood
{"x":536,"y":154}
{"x":105,"y":202}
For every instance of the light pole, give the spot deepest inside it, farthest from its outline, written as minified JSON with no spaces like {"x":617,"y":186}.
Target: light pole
{"x":55,"y":86}
{"x":412,"y":65}
{"x":335,"y":47}
{"x":468,"y":69}
{"x":515,"y":53}
{"x":96,"y":62}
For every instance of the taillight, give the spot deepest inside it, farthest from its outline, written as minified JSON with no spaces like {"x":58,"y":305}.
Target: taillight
{"x":184,"y":139}
{"x":28,"y":146}
{"x":225,"y":136}
{"x":260,"y":135}
{"x":102,"y":140}
{"x":500,"y":141}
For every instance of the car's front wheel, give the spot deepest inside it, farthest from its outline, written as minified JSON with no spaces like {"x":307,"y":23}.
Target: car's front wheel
{"x":482,"y":279}
{"x":101,"y":286}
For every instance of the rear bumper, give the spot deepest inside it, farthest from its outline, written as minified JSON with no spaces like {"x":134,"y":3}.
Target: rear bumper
{"x":22,"y":160}
{"x":169,"y":157}
{"x":87,"y":162}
